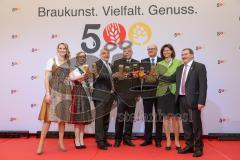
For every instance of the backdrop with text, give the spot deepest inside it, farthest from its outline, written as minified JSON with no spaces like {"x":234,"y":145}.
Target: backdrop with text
{"x":31,"y":30}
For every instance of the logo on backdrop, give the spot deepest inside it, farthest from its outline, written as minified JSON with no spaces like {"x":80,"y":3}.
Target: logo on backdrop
{"x":15,"y":9}
{"x":140,"y":33}
{"x":221,"y":90}
{"x":12,"y":119}
{"x":222,"y":120}
{"x":220,"y":4}
{"x":220,"y":61}
{"x":14,"y":63}
{"x":33,"y":105}
{"x":33,"y":77}
{"x":199,"y":48}
{"x":14,"y":36}
{"x":114,"y":33}
{"x":220,"y":34}
{"x":14,"y":91}
{"x":53,"y":36}
{"x":35,"y":50}
{"x":177,"y":34}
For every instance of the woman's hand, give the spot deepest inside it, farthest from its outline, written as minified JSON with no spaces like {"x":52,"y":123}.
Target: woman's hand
{"x":82,"y":78}
{"x":91,"y":90}
{"x":87,"y":75}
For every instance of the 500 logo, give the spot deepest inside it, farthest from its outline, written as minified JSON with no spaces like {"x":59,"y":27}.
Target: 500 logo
{"x":114,"y":35}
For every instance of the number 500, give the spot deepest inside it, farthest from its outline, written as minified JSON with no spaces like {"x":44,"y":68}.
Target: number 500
{"x":97,"y":42}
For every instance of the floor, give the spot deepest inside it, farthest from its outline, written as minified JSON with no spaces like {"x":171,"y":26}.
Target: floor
{"x":25,"y":148}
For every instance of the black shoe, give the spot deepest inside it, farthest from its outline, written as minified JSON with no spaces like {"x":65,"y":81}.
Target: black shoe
{"x":102,"y":147}
{"x":117,"y":144}
{"x":197,"y":153}
{"x":107,"y":144}
{"x":178,"y":148}
{"x":77,"y":147}
{"x":129,"y":143}
{"x":146,"y":143}
{"x":158,"y":144}
{"x":168,"y":148}
{"x":82,"y":147}
{"x":186,"y":150}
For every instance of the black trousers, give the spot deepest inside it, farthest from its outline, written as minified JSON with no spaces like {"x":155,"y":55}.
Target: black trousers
{"x":148,"y":105}
{"x":103,"y":110}
{"x":192,"y":124}
{"x":124,"y":119}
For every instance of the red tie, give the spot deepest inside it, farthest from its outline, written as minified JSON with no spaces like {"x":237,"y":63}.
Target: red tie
{"x":183,"y":90}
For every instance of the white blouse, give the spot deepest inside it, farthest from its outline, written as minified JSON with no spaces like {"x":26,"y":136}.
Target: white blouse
{"x":50,"y":63}
{"x":76,"y":72}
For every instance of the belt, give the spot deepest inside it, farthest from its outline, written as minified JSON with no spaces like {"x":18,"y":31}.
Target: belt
{"x":182,"y":96}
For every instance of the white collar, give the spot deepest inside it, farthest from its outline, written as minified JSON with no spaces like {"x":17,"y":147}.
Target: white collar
{"x":57,"y":61}
{"x":170,"y":62}
{"x":129,"y":60}
{"x":153,"y":58}
{"x":189,"y":64}
{"x":104,"y":61}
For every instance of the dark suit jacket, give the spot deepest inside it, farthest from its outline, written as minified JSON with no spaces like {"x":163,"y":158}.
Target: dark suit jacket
{"x":123,"y":87}
{"x":146,"y":63}
{"x":195,"y":86}
{"x":102,"y":84}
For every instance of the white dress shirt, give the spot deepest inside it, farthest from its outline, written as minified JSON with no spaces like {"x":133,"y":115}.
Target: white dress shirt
{"x":110,"y":72}
{"x":155,"y":59}
{"x":108,"y":66}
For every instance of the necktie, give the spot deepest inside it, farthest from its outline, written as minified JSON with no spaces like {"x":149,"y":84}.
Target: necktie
{"x":184,"y":76}
{"x":110,"y":72}
{"x":152,"y":61}
{"x":108,"y":67}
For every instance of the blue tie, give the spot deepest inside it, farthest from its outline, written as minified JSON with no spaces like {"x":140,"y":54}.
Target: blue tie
{"x":152,"y":61}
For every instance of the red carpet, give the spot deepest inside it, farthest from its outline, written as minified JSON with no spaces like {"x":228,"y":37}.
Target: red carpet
{"x":26,"y":148}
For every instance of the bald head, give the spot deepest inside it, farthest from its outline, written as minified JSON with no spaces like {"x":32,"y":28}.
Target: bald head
{"x":152,"y":50}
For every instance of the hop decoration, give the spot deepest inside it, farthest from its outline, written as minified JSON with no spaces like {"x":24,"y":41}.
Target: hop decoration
{"x":140,"y":33}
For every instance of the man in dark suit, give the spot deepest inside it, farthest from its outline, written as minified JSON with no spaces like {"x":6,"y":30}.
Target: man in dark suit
{"x":191,"y":85}
{"x":149,"y":103}
{"x":103,"y":98}
{"x":126,"y":99}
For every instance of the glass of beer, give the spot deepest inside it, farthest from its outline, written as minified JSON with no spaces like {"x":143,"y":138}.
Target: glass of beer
{"x":120,"y":68}
{"x":94,"y":67}
{"x":135,"y":67}
{"x":141,"y":72}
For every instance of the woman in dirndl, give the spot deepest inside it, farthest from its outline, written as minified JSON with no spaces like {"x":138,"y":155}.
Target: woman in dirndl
{"x":80,"y":108}
{"x":57,"y":101}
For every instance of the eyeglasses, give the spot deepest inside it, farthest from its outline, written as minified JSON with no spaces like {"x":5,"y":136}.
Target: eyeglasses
{"x":81,"y":56}
{"x":149,"y":49}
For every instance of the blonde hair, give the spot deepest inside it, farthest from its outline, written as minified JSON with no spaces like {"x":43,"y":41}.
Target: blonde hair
{"x":67,"y":56}
{"x":81,"y":52}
